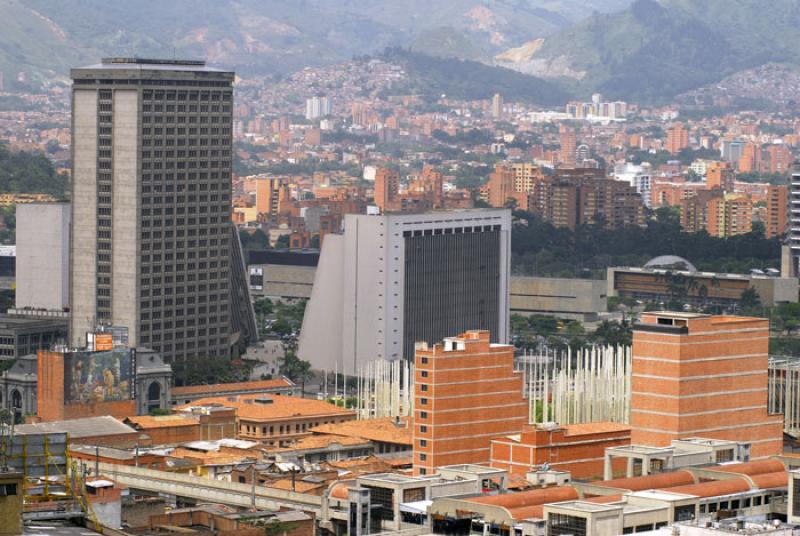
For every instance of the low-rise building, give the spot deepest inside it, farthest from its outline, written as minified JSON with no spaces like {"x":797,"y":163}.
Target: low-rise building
{"x":282,"y":275}
{"x":389,"y":435}
{"x":273,"y":419}
{"x":21,"y":335}
{"x":211,"y":519}
{"x":189,"y":393}
{"x":577,"y":448}
{"x":102,"y":431}
{"x":574,"y":299}
{"x":655,"y":285}
{"x":167,"y":429}
{"x":322,"y":448}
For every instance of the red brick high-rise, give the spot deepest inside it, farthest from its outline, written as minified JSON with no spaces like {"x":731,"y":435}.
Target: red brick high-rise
{"x":387,"y":188}
{"x":697,"y":375}
{"x":466,"y":393}
{"x":677,"y":139}
{"x":777,"y":210}
{"x":569,"y":144}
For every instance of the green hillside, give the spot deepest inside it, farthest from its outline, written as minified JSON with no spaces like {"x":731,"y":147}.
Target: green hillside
{"x":43,"y":38}
{"x":465,"y":79}
{"x":653,"y":51}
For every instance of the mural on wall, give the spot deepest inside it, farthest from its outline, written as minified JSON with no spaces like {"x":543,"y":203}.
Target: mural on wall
{"x":92,"y":377}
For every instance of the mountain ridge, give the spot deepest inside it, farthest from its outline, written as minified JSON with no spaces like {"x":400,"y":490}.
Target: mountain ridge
{"x":43,"y":38}
{"x":652,"y":51}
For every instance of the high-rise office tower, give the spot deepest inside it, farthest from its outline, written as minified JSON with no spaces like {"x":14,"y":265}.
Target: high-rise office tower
{"x":677,"y":139}
{"x":790,"y":255}
{"x":497,"y":106}
{"x":387,"y":188}
{"x":569,"y":143}
{"x":777,"y":211}
{"x":151,"y":234}
{"x":390,"y":281}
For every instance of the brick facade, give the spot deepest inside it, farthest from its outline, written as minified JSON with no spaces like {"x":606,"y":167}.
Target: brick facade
{"x":466,"y":393}
{"x":577,"y":448}
{"x":698,"y":375}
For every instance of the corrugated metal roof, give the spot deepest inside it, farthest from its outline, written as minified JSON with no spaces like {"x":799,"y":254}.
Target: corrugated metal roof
{"x":77,"y":428}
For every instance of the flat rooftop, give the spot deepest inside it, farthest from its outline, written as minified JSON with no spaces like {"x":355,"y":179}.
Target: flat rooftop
{"x":78,"y":428}
{"x":152,"y":64}
{"x":584,"y":506}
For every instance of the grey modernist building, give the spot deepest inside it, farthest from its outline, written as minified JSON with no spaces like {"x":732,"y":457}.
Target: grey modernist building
{"x":153,"y":382}
{"x":21,"y":335}
{"x":42,"y":274}
{"x":18,"y":387}
{"x":389,"y":281}
{"x":151,"y":236}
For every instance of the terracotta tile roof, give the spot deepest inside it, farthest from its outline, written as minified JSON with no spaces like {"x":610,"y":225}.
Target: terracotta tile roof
{"x":659,"y":481}
{"x":595,"y":428}
{"x":210,"y":458}
{"x":752,"y":468}
{"x":279,"y":407}
{"x":604,"y":499}
{"x":147,"y":422}
{"x":524,"y":499}
{"x":383,"y":430}
{"x":771,"y":480}
{"x":713,"y":488}
{"x":399,"y":461}
{"x":339,"y":491}
{"x":299,"y":485}
{"x":323,"y":441}
{"x":178,"y":392}
{"x":527,"y":512}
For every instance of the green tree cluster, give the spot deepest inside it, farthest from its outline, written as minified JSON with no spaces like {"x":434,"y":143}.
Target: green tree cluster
{"x":23,"y":172}
{"x":539,"y":248}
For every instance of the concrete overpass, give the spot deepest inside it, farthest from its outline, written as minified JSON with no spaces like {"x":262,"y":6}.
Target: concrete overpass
{"x":209,"y":490}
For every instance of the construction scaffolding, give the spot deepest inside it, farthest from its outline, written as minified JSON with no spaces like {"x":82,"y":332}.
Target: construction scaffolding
{"x":590,"y":385}
{"x":385,"y":389}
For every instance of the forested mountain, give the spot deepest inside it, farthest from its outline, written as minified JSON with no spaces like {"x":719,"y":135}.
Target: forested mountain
{"x":654,"y":50}
{"x":43,"y":38}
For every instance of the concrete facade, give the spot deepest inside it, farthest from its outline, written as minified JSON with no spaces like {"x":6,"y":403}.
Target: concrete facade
{"x":390,"y":281}
{"x":20,"y":336}
{"x":18,"y":388}
{"x":654,"y":284}
{"x":151,"y":237}
{"x":282,"y":275}
{"x":83,"y":221}
{"x":42,"y":274}
{"x":575,"y":299}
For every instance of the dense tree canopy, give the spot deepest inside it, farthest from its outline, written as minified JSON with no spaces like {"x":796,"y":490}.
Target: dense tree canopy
{"x":539,"y":248}
{"x":23,"y":172}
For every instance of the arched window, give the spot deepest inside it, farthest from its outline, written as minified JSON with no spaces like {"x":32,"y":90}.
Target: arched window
{"x":154,"y":392}
{"x":16,"y":399}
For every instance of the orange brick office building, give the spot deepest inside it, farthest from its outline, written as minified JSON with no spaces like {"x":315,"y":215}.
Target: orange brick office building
{"x":696,"y":375}
{"x":577,"y":448}
{"x":466,"y":393}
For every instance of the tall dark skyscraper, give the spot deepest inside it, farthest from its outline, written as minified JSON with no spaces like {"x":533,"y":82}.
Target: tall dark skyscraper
{"x":151,"y":241}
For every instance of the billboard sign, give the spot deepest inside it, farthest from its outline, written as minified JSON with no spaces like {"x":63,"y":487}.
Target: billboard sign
{"x":103,"y":342}
{"x":93,"y":377}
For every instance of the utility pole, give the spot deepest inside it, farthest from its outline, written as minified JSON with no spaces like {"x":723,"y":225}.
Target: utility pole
{"x":253,"y":486}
